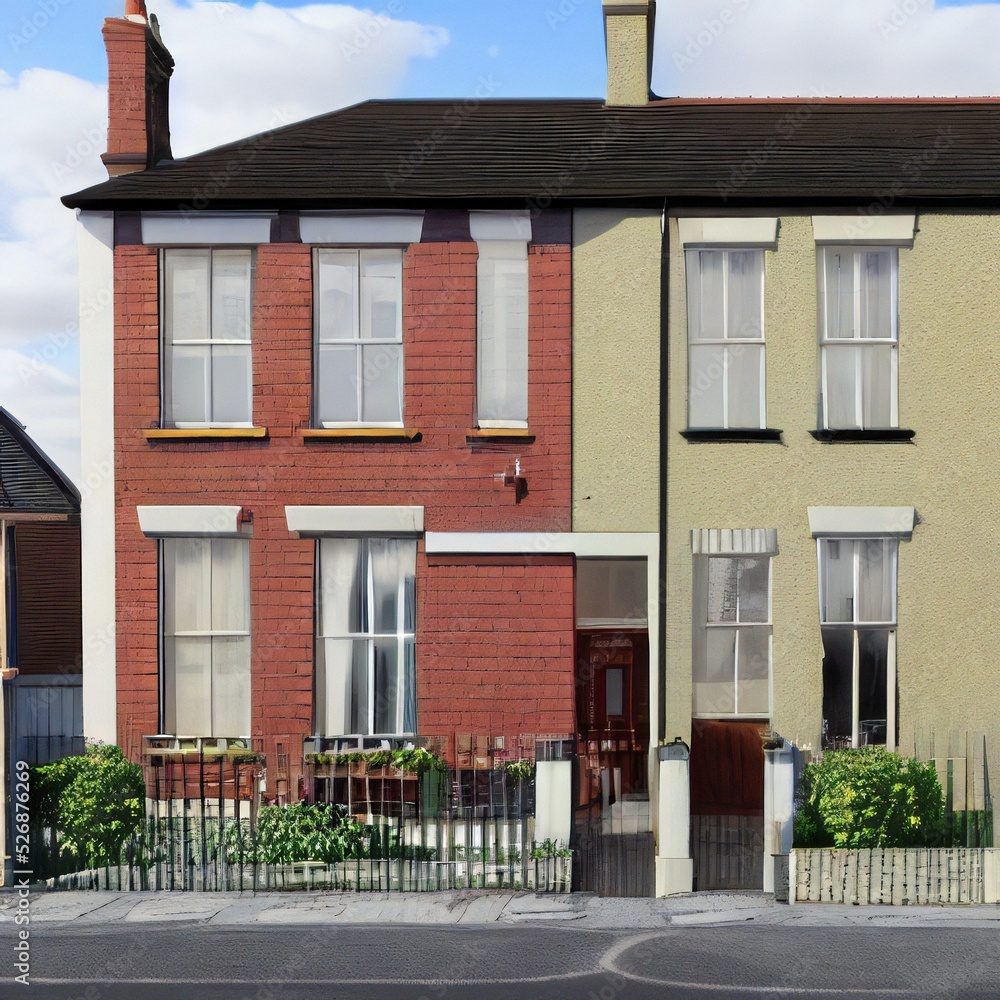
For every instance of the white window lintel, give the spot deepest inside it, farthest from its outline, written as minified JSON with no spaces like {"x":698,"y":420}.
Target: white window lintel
{"x":360,"y":228}
{"x":875,"y":230}
{"x":190,"y":521}
{"x":315,"y":521}
{"x":736,"y":232}
{"x":861,"y":522}
{"x":487,"y":226}
{"x":201,"y":229}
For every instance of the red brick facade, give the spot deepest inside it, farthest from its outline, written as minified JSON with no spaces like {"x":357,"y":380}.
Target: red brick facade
{"x":494,"y":635}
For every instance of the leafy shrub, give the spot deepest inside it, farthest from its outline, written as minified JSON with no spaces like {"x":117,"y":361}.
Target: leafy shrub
{"x":413,"y":760}
{"x":869,"y":797}
{"x":95,"y":800}
{"x":301,"y":831}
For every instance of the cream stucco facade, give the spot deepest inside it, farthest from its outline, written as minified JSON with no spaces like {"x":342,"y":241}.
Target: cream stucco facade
{"x":616,"y":370}
{"x":948,"y":632}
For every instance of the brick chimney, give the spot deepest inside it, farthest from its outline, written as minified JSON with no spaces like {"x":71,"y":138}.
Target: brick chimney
{"x":628,"y":33}
{"x":139,"y":68}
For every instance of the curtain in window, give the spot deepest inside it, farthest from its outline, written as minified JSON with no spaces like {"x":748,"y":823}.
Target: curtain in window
{"x":206,"y":625}
{"x":858,"y":374}
{"x":359,"y":336}
{"x":366,"y":618}
{"x":502,"y":343}
{"x":207,"y":376}
{"x":858,"y":579}
{"x":725,"y":334}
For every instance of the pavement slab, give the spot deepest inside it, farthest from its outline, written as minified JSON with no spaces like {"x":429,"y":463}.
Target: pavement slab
{"x":470,"y":907}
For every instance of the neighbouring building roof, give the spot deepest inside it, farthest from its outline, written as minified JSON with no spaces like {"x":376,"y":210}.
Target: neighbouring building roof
{"x":582,"y":151}
{"x":29,"y":481}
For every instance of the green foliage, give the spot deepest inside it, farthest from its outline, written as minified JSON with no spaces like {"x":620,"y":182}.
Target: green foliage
{"x":519,"y":770}
{"x":869,"y":797}
{"x":548,"y":848}
{"x":96,"y":801}
{"x":415,"y":760}
{"x":298,"y":832}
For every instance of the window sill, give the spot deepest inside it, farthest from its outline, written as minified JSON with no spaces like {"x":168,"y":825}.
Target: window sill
{"x":738,"y":434}
{"x":475,"y":434}
{"x":885,"y":435}
{"x":204,"y":433}
{"x":405,"y":434}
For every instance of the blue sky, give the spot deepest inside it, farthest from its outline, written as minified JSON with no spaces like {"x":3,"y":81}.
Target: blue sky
{"x":245,"y":66}
{"x":533,"y":56}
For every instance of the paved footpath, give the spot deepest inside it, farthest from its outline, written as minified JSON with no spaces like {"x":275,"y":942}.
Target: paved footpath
{"x":470,"y":907}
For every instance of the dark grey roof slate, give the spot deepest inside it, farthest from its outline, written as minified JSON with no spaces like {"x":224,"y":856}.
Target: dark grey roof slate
{"x":29,"y":481}
{"x":579,"y":151}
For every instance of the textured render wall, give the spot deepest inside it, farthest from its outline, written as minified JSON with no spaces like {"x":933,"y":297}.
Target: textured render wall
{"x":628,"y":59}
{"x":455,"y":482}
{"x":616,"y":377}
{"x":948,"y":634}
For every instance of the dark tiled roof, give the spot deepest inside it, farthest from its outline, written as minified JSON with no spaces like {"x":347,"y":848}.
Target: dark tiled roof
{"x":503,"y":152}
{"x":29,"y":482}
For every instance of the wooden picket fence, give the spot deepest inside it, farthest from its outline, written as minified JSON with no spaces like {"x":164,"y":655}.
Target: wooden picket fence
{"x":898,"y":877}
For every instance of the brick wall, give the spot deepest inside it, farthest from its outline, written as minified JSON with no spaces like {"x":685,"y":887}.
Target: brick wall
{"x":455,"y":481}
{"x":500,"y":660}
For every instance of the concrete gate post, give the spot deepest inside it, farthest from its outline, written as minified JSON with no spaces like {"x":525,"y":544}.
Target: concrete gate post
{"x":779,"y":810}
{"x":674,"y":865}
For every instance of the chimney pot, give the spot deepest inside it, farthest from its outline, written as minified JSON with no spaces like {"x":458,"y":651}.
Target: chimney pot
{"x":136,"y":9}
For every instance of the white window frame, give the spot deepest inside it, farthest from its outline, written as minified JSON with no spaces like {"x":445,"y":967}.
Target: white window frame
{"x":511,"y":257}
{"x":168,"y":342}
{"x":728,"y":343}
{"x":167,"y":669}
{"x":402,"y":635}
{"x":359,"y":341}
{"x":856,"y":625}
{"x":702,"y":622}
{"x":858,"y":343}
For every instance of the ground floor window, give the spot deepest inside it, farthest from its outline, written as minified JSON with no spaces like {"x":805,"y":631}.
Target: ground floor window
{"x":365,"y":636}
{"x":858,"y":626}
{"x":206,"y":636}
{"x":731,"y":663}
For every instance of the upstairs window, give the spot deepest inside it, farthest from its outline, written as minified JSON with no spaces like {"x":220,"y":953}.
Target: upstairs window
{"x":725,"y":306}
{"x":358,"y":355}
{"x":207,"y":376}
{"x":502,"y":340}
{"x":859,"y":336}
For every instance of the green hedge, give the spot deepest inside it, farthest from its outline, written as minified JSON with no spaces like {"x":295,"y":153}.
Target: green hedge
{"x":869,"y":797}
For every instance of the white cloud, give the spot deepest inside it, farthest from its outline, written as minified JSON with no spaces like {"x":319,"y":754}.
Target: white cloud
{"x":239,"y":71}
{"x":47,"y":401}
{"x":884,"y":48}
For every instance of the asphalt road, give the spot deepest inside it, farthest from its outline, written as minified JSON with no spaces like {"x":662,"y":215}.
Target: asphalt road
{"x":500,"y":962}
